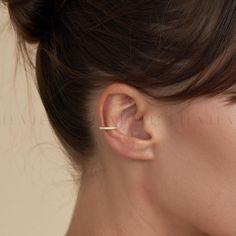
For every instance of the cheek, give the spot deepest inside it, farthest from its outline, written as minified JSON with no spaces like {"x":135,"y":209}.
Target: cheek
{"x":197,"y":167}
{"x":207,"y":133}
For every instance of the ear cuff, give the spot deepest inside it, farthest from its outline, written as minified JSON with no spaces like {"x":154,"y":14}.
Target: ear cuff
{"x":107,"y":127}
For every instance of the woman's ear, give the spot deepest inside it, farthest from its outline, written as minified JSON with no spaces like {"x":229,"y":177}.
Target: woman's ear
{"x":125,"y":107}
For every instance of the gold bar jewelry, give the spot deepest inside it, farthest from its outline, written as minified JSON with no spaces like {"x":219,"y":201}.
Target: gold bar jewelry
{"x":107,"y":127}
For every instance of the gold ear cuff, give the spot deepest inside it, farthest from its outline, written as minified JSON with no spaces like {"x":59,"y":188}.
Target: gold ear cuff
{"x":107,"y":127}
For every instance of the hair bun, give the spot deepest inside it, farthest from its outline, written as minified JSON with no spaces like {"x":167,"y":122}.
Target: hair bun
{"x":32,"y":19}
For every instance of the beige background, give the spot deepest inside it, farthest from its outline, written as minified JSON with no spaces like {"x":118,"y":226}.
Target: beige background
{"x":37,"y":194}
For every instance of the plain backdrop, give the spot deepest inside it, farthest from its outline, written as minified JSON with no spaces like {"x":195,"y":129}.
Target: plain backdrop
{"x":37,"y":194}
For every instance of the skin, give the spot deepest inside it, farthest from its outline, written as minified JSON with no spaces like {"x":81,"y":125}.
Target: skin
{"x":168,"y":170}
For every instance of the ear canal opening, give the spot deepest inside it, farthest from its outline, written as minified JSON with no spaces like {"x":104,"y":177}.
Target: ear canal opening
{"x":133,"y":127}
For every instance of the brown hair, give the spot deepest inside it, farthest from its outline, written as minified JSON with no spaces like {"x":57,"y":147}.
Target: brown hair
{"x":164,"y":49}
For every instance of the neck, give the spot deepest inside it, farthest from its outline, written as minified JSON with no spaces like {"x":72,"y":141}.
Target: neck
{"x":110,"y":206}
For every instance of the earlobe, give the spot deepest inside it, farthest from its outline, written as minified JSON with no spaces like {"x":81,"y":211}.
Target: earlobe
{"x":124,"y":107}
